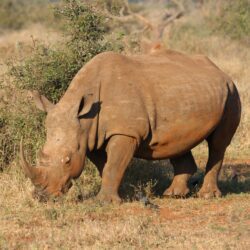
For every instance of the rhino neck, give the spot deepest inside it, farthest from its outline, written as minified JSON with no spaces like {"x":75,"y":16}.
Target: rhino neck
{"x":89,"y":129}
{"x":70,"y":102}
{"x":85,"y":82}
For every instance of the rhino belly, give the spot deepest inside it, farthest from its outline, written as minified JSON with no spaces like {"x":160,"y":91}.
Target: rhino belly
{"x":174,"y":139}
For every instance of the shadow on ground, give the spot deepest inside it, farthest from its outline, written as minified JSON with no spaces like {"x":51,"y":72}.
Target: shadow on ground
{"x":235,"y":178}
{"x":152,"y":178}
{"x":149,"y":178}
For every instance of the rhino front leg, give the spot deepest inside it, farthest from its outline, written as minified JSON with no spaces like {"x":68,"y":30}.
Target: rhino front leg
{"x":184,"y":168}
{"x":120,"y":151}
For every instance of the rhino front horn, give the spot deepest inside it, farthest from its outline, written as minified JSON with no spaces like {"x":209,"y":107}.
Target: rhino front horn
{"x":28,"y":170}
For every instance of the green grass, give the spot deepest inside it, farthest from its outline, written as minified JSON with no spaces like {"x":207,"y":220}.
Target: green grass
{"x":49,"y":69}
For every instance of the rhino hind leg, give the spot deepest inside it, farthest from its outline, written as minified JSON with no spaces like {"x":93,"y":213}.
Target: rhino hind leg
{"x":218,"y":141}
{"x":184,"y":168}
{"x":210,"y":188}
{"x":217,"y":144}
{"x":120,"y":151}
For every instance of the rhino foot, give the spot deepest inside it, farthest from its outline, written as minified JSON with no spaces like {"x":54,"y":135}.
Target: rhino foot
{"x":108,"y":198}
{"x":208,"y":193}
{"x":176,"y":191}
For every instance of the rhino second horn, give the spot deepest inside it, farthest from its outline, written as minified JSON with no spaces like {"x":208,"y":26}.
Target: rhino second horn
{"x":28,"y":170}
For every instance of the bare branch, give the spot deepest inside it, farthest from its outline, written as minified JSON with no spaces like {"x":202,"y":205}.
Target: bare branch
{"x":141,"y":18}
{"x":157,"y":31}
{"x":131,"y":15}
{"x":169,"y":18}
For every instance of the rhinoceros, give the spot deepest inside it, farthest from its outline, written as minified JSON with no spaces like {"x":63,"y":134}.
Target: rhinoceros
{"x":153,"y":106}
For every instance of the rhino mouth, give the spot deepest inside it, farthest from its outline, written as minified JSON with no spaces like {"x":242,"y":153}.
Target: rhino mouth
{"x":67,"y":187}
{"x":40,"y":194}
{"x":47,"y":187}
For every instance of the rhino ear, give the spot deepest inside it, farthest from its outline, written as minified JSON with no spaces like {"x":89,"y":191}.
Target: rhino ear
{"x":41,"y":101}
{"x":86,"y":104}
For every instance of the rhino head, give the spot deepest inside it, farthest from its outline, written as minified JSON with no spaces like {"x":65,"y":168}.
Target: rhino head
{"x":62,"y":157}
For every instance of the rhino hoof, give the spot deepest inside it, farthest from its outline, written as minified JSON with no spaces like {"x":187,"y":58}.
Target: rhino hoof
{"x":176,"y":192}
{"x":108,"y":198}
{"x":208,"y":194}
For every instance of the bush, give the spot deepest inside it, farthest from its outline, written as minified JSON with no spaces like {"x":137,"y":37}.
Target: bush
{"x":22,"y":121}
{"x":234,"y":20}
{"x":50,"y":70}
{"x":229,"y":19}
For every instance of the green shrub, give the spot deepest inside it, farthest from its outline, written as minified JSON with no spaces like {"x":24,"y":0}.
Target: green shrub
{"x":230,"y":20}
{"x":50,"y":70}
{"x":22,"y":121}
{"x":234,"y":20}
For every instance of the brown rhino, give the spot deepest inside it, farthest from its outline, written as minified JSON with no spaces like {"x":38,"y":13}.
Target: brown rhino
{"x":154,"y":106}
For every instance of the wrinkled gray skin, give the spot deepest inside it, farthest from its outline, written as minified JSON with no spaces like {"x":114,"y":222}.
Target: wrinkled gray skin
{"x":154,"y":106}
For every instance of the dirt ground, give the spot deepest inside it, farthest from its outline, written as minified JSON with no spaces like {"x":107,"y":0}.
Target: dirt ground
{"x":190,"y":223}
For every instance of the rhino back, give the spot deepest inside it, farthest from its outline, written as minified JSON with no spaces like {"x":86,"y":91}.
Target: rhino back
{"x":167,"y":103}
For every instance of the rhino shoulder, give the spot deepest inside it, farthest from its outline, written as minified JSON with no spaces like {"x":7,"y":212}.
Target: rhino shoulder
{"x":109,"y":55}
{"x":203,"y":60}
{"x":100,"y":63}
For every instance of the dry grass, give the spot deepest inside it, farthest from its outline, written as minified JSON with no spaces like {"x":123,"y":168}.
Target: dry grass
{"x":177,"y":224}
{"x":69,"y":224}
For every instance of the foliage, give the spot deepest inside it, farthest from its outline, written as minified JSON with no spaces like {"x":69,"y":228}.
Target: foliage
{"x":213,"y":21}
{"x":234,"y":20}
{"x":86,"y":28}
{"x":50,"y":70}
{"x":17,"y":124}
{"x":227,"y":19}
